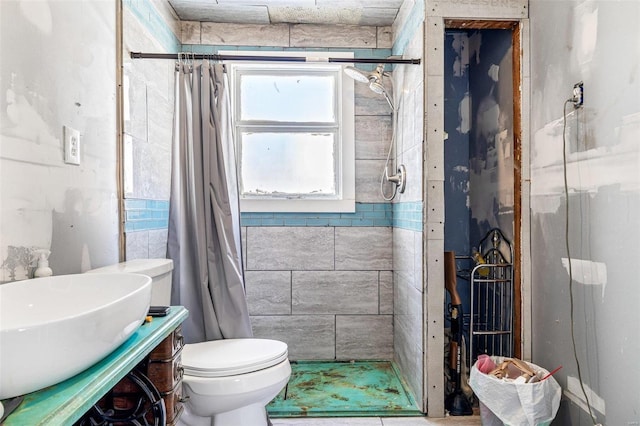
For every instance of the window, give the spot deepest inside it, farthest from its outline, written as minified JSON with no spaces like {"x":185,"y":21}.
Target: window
{"x":294,"y":135}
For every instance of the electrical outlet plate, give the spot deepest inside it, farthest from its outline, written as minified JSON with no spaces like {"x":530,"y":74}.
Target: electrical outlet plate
{"x":71,"y":146}
{"x":578,"y":95}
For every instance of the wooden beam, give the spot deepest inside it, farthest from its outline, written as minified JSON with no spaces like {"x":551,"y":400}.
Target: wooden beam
{"x":480,"y":24}
{"x":517,"y":199}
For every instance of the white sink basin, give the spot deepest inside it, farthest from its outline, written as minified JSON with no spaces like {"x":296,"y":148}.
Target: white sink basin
{"x":53,"y":328}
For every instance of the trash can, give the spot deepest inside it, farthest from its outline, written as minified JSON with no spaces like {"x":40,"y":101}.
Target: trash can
{"x":511,"y":402}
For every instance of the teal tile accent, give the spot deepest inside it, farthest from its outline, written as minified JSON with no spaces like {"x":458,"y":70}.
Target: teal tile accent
{"x":144,"y":215}
{"x":366,"y":214}
{"x":339,"y":222}
{"x":416,"y":17}
{"x":362,"y":222}
{"x":155,"y":24}
{"x":374,"y":215}
{"x":408,"y":215}
{"x":398,"y":215}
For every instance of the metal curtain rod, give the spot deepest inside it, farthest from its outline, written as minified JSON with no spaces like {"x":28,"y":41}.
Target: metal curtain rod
{"x":216,"y":57}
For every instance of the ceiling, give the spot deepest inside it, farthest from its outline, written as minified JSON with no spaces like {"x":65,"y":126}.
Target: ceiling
{"x":264,"y":12}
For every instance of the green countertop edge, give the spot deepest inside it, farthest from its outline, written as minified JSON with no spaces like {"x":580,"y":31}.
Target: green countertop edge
{"x":66,"y":402}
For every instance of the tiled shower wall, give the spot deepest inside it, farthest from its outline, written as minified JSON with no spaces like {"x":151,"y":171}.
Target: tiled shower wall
{"x":408,"y":207}
{"x":148,"y":117}
{"x":326,"y":291}
{"x":322,"y":283}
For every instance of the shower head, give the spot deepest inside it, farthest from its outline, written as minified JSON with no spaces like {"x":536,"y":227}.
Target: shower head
{"x":356,"y":74}
{"x":373,"y":79}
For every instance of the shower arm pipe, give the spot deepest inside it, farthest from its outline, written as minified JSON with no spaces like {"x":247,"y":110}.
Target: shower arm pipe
{"x":218,"y":57}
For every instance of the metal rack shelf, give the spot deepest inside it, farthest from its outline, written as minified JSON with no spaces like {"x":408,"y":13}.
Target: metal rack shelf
{"x":491,"y":323}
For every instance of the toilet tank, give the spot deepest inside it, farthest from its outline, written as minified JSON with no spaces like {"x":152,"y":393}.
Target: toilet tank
{"x":158,"y":269}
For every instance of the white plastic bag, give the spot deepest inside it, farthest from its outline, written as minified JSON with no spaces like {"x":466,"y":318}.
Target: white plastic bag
{"x":516,"y":404}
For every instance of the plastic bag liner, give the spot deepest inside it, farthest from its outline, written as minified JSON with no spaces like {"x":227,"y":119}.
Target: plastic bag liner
{"x":504,"y":402}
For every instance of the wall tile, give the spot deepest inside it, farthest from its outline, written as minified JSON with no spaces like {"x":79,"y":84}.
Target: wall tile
{"x":190,"y":32}
{"x":373,"y":137}
{"x":385,"y":38}
{"x":158,"y":21}
{"x":245,"y":34}
{"x":414,"y":163}
{"x":243,"y":237}
{"x":268,"y":292}
{"x":400,"y":296}
{"x":403,"y":16}
{"x":366,"y":248}
{"x":368,"y":173}
{"x":284,"y":248}
{"x":364,"y":337}
{"x":305,"y":35}
{"x":335,"y":292}
{"x":308,"y":336}
{"x":418,"y":263}
{"x":408,"y":357}
{"x":135,"y":98}
{"x":368,"y":102}
{"x":408,"y":332}
{"x":157,"y":244}
{"x":403,"y":253}
{"x":385,"y":304}
{"x":137,"y":245}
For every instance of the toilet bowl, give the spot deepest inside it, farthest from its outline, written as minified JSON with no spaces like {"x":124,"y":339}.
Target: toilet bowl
{"x":229,"y":382}
{"x":226,"y":382}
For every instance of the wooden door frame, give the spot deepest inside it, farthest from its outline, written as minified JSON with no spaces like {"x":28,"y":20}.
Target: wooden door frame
{"x":514,"y":27}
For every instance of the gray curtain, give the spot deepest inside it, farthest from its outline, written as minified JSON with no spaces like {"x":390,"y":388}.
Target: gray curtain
{"x":204,"y":218}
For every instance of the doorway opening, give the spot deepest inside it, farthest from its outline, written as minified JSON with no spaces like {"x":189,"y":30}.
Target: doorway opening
{"x":482,"y":153}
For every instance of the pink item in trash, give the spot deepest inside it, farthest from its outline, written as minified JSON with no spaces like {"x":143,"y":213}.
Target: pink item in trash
{"x":485,"y":364}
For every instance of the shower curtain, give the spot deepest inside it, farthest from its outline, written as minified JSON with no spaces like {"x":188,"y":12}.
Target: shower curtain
{"x":204,"y":216}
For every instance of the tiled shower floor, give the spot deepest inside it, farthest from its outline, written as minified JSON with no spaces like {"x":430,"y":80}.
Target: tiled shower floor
{"x":338,"y":389}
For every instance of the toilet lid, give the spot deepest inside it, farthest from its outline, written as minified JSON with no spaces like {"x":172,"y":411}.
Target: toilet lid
{"x":229,"y":357}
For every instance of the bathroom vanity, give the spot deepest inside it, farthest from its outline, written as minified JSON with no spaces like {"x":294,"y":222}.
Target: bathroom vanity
{"x":155,"y":347}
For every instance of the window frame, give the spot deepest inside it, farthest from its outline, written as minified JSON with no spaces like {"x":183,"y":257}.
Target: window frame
{"x":344,"y":130}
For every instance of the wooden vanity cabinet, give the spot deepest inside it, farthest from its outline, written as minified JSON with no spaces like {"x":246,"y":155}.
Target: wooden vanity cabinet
{"x":164,"y":369}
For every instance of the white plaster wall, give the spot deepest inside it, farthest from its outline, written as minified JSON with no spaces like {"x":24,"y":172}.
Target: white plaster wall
{"x":597,"y":42}
{"x":58,"y":68}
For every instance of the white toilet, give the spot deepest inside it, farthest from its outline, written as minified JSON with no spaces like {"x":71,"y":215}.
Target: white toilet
{"x":228,"y":382}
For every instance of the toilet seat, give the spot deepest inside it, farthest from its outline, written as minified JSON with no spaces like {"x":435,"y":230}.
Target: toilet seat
{"x":230,"y":357}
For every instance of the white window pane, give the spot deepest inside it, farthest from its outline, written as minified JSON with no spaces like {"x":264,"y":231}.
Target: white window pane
{"x":287,"y":98}
{"x":288,"y":163}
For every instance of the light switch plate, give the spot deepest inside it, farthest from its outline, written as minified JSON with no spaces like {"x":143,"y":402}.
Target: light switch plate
{"x":71,"y":146}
